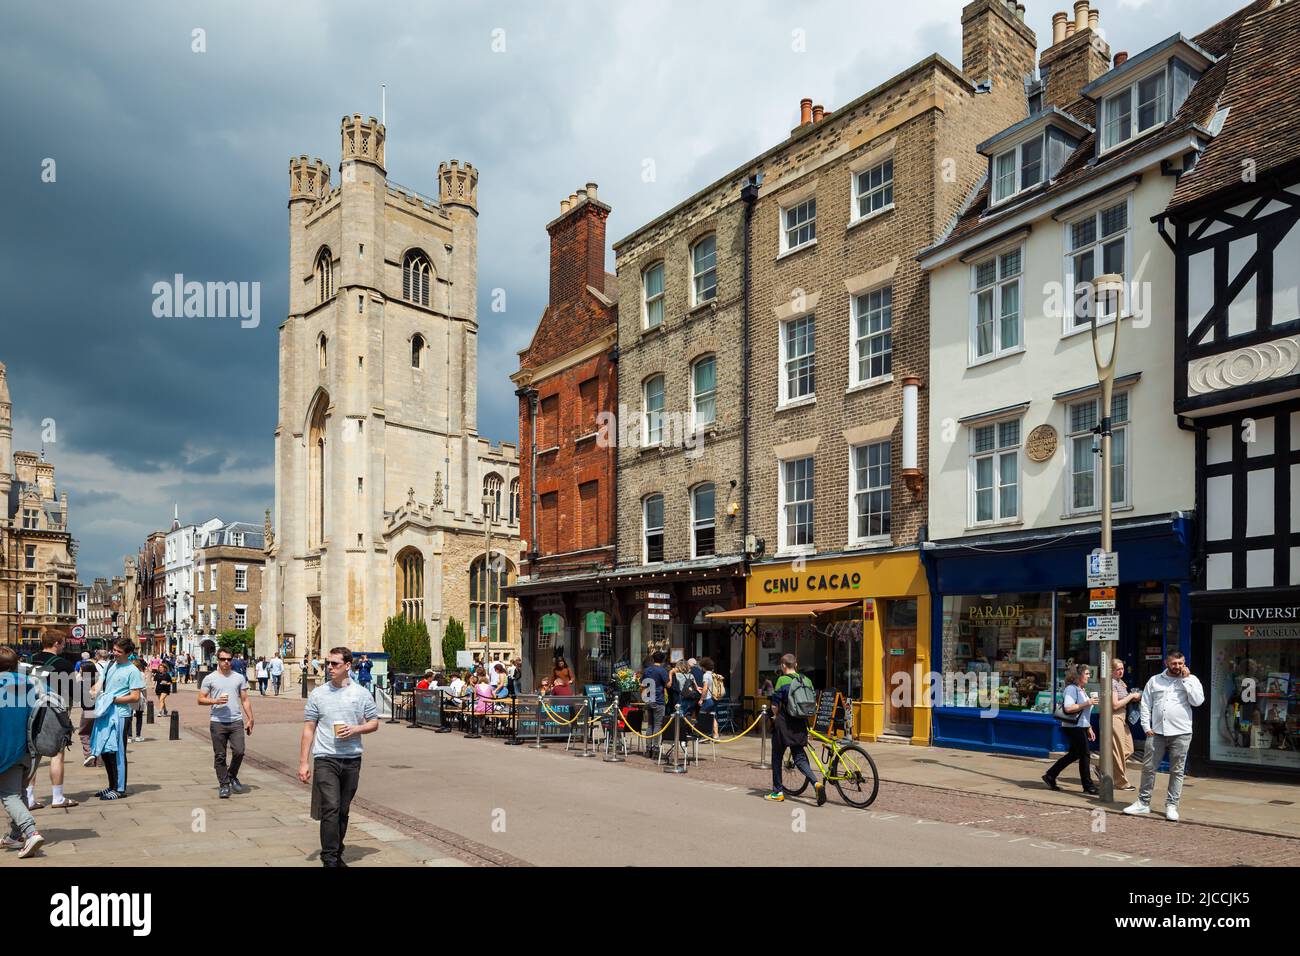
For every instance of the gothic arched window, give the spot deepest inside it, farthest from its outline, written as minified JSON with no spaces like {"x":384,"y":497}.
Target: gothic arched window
{"x":416,"y":277}
{"x":322,"y":350}
{"x":492,"y":496}
{"x":324,"y":276}
{"x":514,"y":501}
{"x":417,"y":351}
{"x":487,"y":600}
{"x":410,"y":584}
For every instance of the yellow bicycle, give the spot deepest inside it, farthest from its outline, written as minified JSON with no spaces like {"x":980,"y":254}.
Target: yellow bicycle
{"x":843,"y":762}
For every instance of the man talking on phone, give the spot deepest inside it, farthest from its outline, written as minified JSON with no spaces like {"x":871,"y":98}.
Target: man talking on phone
{"x":1167,"y":702}
{"x":338,"y":712}
{"x":230,"y":721}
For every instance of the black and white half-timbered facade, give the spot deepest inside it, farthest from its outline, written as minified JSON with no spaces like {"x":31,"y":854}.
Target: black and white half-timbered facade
{"x":1234,"y":225}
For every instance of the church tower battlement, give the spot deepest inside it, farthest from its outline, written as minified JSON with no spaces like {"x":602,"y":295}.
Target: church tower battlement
{"x":308,"y":179}
{"x":457,"y":185}
{"x":363,"y":140}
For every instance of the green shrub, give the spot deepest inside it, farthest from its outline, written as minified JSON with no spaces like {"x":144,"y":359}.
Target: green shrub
{"x":453,"y":640}
{"x":407,"y":645}
{"x":237,"y":642}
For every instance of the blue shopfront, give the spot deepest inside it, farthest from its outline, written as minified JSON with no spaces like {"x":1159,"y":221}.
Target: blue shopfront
{"x":1010,"y":615}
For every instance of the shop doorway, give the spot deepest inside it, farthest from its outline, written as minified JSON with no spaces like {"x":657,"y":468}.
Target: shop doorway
{"x":313,"y":627}
{"x":898,"y":628}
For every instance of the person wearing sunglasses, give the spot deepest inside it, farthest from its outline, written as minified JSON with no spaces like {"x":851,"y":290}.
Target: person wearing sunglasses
{"x":230,"y":723}
{"x":338,"y":713}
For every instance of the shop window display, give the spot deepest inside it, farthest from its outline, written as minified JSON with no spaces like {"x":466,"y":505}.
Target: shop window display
{"x":1254,"y":699}
{"x":1007,"y":635}
{"x":1072,"y":644}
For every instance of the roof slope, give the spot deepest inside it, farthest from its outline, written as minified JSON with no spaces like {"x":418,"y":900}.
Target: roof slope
{"x":1262,"y":95}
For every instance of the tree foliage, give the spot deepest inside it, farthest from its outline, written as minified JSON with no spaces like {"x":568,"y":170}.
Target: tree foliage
{"x":406,"y":643}
{"x":453,"y":640}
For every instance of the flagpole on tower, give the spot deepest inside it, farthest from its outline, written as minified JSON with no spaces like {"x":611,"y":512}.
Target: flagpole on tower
{"x":383,"y":103}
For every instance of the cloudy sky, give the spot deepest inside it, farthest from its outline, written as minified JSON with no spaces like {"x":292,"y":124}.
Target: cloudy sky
{"x":168,"y":160}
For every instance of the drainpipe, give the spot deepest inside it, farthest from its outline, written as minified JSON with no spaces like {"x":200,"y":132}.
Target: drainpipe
{"x":530,"y":393}
{"x":748,"y":195}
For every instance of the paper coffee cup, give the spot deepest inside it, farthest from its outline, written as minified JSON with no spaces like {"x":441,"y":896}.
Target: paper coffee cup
{"x":338,"y":726}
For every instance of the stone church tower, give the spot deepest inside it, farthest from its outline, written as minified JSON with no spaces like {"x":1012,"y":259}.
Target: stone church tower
{"x":380,"y":476}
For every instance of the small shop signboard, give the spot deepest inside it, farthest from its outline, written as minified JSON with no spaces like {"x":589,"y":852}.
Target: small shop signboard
{"x":1103,"y":627}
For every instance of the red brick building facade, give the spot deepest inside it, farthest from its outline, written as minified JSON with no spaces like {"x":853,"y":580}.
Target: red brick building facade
{"x":568,"y":400}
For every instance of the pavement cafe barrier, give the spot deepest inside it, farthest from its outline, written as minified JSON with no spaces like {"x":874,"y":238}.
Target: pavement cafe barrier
{"x":426,"y":709}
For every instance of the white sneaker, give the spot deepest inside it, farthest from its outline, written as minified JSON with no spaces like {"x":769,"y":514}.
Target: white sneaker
{"x":1135,"y":809}
{"x":34,"y":843}
{"x":9,"y":843}
{"x":1171,"y":813}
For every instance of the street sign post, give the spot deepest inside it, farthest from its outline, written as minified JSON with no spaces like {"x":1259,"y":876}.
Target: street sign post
{"x":1101,"y":599}
{"x":1103,"y":569}
{"x":1103,"y":627}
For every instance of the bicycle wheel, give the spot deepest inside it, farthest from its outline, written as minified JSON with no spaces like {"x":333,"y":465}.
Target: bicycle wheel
{"x":793,"y":781}
{"x":854,"y":773}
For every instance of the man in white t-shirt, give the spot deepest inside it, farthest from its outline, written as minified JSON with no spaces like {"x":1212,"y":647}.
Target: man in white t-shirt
{"x":338,"y":713}
{"x":277,"y":673}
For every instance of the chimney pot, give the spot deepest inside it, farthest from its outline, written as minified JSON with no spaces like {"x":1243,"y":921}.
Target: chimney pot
{"x":591,"y":191}
{"x":818,"y":112}
{"x":1058,"y":27}
{"x":1069,"y":29}
{"x":1080,"y":15}
{"x":582,"y":194}
{"x":564,"y":206}
{"x":1121,"y":57}
{"x":805,"y":111}
{"x":1020,"y":12}
{"x":1094,"y":19}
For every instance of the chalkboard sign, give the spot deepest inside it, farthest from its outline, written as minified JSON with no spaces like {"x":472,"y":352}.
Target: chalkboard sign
{"x":594,"y":690}
{"x":428,"y":708}
{"x":829,"y":712}
{"x":527,"y":710}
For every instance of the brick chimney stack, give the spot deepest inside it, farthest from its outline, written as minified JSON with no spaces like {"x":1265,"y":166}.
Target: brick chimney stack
{"x":1077,"y":56}
{"x":578,"y":246}
{"x":996,"y":44}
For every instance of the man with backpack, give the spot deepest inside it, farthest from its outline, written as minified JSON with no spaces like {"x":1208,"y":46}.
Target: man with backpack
{"x":794,"y":702}
{"x":54,"y":671}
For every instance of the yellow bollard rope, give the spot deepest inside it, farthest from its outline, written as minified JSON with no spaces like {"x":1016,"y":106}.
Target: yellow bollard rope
{"x":596,"y":719}
{"x":723,"y":740}
{"x":666,"y":725}
{"x":560,"y":720}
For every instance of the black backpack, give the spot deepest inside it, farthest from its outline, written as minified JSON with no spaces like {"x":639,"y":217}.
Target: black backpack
{"x":690,"y":692}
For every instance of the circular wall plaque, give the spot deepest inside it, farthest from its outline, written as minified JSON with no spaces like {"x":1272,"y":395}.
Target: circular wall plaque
{"x":1041,"y":443}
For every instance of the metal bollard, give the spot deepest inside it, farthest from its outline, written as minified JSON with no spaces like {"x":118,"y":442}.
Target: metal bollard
{"x":174,"y":732}
{"x":148,"y":712}
{"x":612,"y":741}
{"x":678,"y":766}
{"x":539,"y":745}
{"x":763,"y":762}
{"x":392,"y":705}
{"x":586,"y":734}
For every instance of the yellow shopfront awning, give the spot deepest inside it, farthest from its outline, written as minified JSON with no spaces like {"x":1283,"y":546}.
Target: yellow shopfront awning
{"x":805,"y":611}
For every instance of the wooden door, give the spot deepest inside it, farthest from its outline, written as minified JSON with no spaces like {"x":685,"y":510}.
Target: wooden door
{"x":900,"y":657}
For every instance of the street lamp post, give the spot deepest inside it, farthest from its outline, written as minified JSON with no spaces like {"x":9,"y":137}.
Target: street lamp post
{"x":1105,"y":286}
{"x":488,"y":502}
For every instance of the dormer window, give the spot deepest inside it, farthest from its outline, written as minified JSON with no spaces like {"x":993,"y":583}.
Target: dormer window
{"x":1018,"y":169}
{"x":1134,"y":110}
{"x":1145,"y":92}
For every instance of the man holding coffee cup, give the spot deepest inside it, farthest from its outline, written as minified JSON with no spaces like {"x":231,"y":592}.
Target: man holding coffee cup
{"x":229,"y":723}
{"x":338,"y":712}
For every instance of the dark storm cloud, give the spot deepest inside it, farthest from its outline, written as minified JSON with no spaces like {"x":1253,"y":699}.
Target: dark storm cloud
{"x":171,"y":161}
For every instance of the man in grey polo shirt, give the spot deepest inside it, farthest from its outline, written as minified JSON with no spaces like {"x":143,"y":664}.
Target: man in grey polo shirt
{"x":338,"y":712}
{"x":225,"y":690}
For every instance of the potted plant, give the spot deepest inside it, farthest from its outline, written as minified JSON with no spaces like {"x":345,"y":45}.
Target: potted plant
{"x":625,"y":681}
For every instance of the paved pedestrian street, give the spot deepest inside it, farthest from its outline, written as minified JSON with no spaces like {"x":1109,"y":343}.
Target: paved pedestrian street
{"x":442,"y":799}
{"x":172,"y":816}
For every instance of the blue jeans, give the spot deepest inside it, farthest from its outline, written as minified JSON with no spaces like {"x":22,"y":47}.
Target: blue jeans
{"x":800,"y":757}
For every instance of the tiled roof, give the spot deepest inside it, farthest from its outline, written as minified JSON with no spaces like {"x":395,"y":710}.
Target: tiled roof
{"x":1262,"y":94}
{"x":1197,"y":111}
